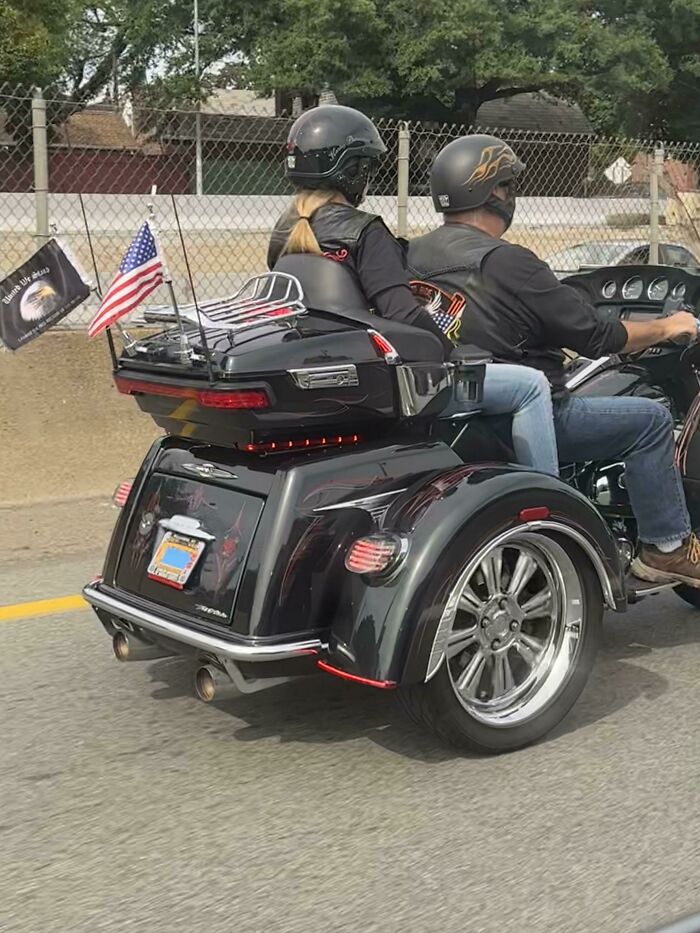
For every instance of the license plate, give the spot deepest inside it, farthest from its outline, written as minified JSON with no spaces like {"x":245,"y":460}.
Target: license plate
{"x":175,"y":558}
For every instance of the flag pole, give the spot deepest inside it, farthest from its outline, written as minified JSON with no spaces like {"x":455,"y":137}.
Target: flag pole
{"x":129,"y":342}
{"x":202,"y":333}
{"x":167,"y":277}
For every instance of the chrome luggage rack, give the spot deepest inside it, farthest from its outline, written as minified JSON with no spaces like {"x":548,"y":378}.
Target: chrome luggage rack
{"x":272,"y":296}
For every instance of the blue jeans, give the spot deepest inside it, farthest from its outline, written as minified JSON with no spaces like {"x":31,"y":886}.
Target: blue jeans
{"x":638,"y":432}
{"x":526,"y":393}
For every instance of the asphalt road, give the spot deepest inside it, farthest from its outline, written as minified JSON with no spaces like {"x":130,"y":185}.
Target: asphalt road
{"x":127,"y":805}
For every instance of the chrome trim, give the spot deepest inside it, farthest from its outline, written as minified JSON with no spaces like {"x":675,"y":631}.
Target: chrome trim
{"x":420,"y":383}
{"x":377,"y":506}
{"x":208,"y":471}
{"x":263,"y":299}
{"x":437,"y":651}
{"x":204,"y":642}
{"x":184,"y":525}
{"x":590,"y":550}
{"x":588,"y":370}
{"x":325,"y":377}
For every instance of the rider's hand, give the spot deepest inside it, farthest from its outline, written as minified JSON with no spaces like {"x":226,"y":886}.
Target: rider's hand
{"x":680,"y":324}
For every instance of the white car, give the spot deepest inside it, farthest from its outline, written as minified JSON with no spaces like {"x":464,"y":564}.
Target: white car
{"x":597,"y":253}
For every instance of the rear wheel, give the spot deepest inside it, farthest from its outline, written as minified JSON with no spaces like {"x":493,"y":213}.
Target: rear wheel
{"x":522,"y":641}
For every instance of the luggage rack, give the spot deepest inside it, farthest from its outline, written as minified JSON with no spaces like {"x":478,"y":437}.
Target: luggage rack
{"x":271,"y":296}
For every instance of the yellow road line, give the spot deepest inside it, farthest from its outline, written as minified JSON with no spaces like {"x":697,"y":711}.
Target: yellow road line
{"x":42,"y":607}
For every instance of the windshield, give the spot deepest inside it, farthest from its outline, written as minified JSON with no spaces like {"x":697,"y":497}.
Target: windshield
{"x":586,"y":254}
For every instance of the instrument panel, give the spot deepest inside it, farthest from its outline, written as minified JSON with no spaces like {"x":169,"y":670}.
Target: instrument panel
{"x":638,"y":293}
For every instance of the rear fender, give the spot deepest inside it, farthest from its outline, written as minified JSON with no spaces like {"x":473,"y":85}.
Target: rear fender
{"x":384,"y":630}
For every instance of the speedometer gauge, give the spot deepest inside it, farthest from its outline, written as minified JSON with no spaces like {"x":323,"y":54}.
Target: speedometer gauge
{"x":633,"y":288}
{"x":658,"y":290}
{"x":609,"y":289}
{"x":678,"y":291}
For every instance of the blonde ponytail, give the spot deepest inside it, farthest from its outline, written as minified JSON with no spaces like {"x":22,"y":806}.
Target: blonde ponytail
{"x":301,"y":238}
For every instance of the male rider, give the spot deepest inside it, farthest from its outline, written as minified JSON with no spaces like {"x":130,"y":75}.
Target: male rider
{"x":517,"y":310}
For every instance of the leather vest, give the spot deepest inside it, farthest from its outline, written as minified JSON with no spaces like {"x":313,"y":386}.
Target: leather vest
{"x":337,"y":227}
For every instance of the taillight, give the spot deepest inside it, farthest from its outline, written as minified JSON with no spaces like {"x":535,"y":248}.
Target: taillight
{"x":377,"y":553}
{"x":383,"y":347}
{"x":302,"y":443}
{"x":207,"y":398}
{"x":121,"y":495}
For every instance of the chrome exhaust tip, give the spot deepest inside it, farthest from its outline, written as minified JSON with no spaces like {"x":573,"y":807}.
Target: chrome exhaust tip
{"x":211,"y":684}
{"x":129,"y":647}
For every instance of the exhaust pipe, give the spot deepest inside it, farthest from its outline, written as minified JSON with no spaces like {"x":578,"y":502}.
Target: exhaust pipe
{"x":129,"y":647}
{"x":211,"y":684}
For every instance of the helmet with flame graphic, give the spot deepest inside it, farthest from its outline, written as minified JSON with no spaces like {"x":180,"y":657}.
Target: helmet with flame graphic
{"x":466,"y":172}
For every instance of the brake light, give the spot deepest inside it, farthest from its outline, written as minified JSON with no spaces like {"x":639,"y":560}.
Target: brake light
{"x":536,"y":514}
{"x":375,"y":553}
{"x":383,"y":347}
{"x":355,"y":678}
{"x":121,"y":495}
{"x":302,"y":443}
{"x":207,"y":398}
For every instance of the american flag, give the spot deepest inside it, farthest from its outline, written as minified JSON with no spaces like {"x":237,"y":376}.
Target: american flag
{"x":140,"y":273}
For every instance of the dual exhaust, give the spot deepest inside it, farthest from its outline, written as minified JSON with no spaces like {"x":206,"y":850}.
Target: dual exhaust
{"x":210,"y":682}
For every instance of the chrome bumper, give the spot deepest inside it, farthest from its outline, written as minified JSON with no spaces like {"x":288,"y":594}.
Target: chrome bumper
{"x":219,"y":647}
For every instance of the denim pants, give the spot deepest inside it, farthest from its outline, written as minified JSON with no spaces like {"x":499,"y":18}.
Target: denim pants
{"x":638,"y":432}
{"x":526,"y":393}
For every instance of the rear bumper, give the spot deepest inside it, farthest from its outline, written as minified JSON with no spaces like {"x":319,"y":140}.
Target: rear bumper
{"x":211,"y":644}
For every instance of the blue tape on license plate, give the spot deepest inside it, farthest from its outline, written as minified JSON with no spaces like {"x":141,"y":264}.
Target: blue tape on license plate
{"x":175,"y":558}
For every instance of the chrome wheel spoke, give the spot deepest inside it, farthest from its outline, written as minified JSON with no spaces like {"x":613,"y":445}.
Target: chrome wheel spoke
{"x":529,"y":649}
{"x":468,"y":680}
{"x":525,"y":567}
{"x":492,"y":568}
{"x":502,"y":675}
{"x":538,"y":605}
{"x":470,"y":602}
{"x":460,"y":640}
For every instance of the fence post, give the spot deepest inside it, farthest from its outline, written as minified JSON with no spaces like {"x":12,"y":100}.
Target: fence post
{"x":403,"y":167}
{"x":655,"y":173}
{"x":41,"y":165}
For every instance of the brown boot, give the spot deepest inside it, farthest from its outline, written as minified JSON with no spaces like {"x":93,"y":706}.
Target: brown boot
{"x":679,"y":566}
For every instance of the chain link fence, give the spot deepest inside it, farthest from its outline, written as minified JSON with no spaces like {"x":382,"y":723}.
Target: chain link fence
{"x":584,"y":200}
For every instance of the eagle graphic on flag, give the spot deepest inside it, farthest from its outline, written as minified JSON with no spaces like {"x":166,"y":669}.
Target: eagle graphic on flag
{"x":140,"y":273}
{"x":444,"y":308}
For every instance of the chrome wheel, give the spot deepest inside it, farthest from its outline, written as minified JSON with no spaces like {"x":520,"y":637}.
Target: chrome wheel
{"x":517,"y":628}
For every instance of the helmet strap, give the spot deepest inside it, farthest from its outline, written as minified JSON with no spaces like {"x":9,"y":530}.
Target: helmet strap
{"x":503,"y":209}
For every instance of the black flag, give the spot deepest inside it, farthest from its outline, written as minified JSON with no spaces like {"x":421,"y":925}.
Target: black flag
{"x":40,"y":293}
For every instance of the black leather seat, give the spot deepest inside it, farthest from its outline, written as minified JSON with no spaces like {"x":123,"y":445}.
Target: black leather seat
{"x":329,"y":287}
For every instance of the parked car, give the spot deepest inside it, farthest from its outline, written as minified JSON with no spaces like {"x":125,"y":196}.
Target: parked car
{"x":597,"y":253}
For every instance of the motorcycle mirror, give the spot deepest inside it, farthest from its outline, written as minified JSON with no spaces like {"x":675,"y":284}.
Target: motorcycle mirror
{"x":690,"y":924}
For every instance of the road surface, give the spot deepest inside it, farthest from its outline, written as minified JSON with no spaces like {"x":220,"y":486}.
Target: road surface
{"x":316,"y":807}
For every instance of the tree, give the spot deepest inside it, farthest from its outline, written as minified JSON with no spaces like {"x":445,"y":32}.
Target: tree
{"x":33,"y":40}
{"x":441,"y":59}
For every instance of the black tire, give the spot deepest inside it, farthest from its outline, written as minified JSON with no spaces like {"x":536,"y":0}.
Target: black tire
{"x":435,"y":704}
{"x":689,"y":594}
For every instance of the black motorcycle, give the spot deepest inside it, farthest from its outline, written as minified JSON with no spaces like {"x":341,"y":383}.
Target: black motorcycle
{"x":308,"y":511}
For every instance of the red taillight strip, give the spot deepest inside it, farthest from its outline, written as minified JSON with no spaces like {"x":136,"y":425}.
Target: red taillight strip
{"x":344,"y":675}
{"x":231,"y":399}
{"x":302,"y":443}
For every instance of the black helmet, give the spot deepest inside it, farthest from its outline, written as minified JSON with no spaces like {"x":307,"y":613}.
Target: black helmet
{"x":466,"y":171}
{"x":333,"y":147}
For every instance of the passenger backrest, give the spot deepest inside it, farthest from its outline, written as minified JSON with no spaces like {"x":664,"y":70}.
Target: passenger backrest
{"x":327,"y":285}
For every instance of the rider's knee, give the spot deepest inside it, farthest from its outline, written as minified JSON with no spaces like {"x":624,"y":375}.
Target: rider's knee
{"x":534,"y":382}
{"x":660,"y":418}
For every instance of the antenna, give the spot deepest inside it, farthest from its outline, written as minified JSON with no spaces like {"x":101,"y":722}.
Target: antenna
{"x":167,"y":278}
{"x":202,"y":333}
